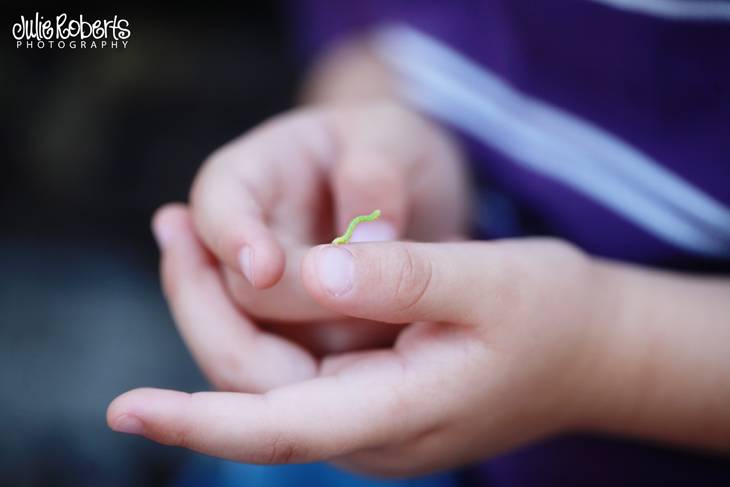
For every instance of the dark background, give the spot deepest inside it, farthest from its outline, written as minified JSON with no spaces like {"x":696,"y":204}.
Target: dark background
{"x":92,"y":141}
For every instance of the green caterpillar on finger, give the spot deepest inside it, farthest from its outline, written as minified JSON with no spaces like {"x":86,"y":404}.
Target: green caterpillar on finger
{"x":353,"y":224}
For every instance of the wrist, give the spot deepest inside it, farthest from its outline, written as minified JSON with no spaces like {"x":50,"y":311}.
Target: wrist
{"x":661,"y":372}
{"x":608,"y":382}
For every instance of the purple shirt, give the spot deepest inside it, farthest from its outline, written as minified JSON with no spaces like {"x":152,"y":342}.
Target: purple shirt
{"x":603,"y":122}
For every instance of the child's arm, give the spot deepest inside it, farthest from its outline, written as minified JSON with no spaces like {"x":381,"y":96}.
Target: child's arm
{"x":666,"y":373}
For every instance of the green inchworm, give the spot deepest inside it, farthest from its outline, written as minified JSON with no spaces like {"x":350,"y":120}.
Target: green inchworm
{"x":354,"y":223}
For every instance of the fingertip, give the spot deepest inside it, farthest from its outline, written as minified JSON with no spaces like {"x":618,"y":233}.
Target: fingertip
{"x":166,"y":221}
{"x":170,"y":210}
{"x":127,"y":401}
{"x":112,"y":413}
{"x":136,"y":411}
{"x":120,"y":415}
{"x":245,"y":261}
{"x":182,"y":252}
{"x":328,"y":273}
{"x":262,"y":263}
{"x":235,"y":231}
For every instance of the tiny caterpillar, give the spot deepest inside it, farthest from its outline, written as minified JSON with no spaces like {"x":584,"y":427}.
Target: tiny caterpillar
{"x":354,"y":223}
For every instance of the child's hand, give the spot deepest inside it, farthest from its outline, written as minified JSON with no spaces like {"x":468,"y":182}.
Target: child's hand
{"x":300,"y":178}
{"x":505,"y":345}
{"x":260,"y":202}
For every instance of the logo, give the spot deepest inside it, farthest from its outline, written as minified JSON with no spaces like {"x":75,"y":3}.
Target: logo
{"x":64,"y":32}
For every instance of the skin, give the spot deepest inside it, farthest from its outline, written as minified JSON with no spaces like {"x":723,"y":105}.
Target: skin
{"x":307,"y":174}
{"x":498,"y":349}
{"x":313,"y":170}
{"x":481,"y":346}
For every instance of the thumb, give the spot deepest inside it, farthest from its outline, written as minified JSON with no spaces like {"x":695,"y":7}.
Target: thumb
{"x":401,"y":282}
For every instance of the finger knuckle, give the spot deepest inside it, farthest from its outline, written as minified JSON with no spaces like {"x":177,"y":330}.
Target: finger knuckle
{"x":181,"y":438}
{"x":183,"y":435}
{"x":281,"y":449}
{"x":413,"y":278}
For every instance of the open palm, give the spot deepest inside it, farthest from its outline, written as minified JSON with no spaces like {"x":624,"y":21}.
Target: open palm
{"x":487,"y":356}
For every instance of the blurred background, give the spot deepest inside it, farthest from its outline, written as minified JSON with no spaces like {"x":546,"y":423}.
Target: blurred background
{"x":92,"y":142}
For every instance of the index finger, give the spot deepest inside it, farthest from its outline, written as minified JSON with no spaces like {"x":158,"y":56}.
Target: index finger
{"x":238,"y":193}
{"x":231,"y":222}
{"x":314,"y":420}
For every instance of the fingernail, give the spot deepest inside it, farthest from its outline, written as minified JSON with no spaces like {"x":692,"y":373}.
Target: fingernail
{"x":161,"y":232}
{"x":128,"y":424}
{"x":335,"y":268}
{"x":245,"y":259}
{"x":377,"y":231}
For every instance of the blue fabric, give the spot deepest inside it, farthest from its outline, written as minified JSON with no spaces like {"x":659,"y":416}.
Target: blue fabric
{"x":314,"y":475}
{"x":214,"y":473}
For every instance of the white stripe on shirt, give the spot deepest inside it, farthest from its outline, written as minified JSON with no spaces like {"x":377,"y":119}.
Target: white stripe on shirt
{"x":688,"y":10}
{"x":550,"y":141}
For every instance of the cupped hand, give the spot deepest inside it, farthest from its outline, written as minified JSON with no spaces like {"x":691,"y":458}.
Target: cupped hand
{"x":299,"y":179}
{"x":500,"y":346}
{"x":261,"y":201}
